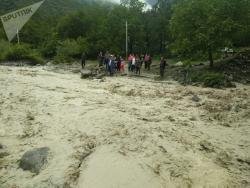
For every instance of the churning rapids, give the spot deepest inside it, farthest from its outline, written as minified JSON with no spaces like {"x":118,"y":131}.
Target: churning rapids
{"x":121,"y":132}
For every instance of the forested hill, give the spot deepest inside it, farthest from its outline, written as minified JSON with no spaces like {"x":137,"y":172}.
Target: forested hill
{"x":49,"y":8}
{"x":62,"y":29}
{"x":46,"y":18}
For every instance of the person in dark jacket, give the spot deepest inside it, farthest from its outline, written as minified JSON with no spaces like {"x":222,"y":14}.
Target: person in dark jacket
{"x":149,"y":62}
{"x":111,"y":65}
{"x":119,"y":61}
{"x":137,"y":65}
{"x":163,"y":64}
{"x":83,"y":60}
{"x":100,"y":59}
{"x":146,"y":61}
{"x":106,"y":60}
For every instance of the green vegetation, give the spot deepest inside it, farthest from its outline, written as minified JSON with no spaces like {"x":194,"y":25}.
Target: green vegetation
{"x":70,"y":49}
{"x":207,"y":26}
{"x":210,"y":79}
{"x":197,"y":28}
{"x":4,"y":48}
{"x":180,"y":29}
{"x":10,"y":52}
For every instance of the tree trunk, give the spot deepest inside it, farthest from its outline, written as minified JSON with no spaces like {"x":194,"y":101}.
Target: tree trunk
{"x":210,"y":56}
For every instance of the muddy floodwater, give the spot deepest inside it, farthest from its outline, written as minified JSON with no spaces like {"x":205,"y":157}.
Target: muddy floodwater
{"x":122,"y":132}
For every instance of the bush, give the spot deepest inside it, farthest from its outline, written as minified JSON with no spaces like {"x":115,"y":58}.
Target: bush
{"x":4,"y":48}
{"x":69,"y":50}
{"x":215,"y":80}
{"x":49,"y":48}
{"x":210,"y":79}
{"x":23,"y":52}
{"x":83,"y":45}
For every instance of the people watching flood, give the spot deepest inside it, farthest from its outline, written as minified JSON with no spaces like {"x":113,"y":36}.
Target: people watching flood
{"x":116,"y":64}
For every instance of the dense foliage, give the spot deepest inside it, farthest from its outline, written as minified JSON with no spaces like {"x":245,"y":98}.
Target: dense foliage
{"x":64,"y":28}
{"x":15,"y":52}
{"x":209,"y":25}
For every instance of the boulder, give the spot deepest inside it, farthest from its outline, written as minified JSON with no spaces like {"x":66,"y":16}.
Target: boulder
{"x":49,"y":63}
{"x":195,"y":98}
{"x":179,"y":64}
{"x":3,"y":152}
{"x":34,"y":160}
{"x":207,"y":146}
{"x":85,"y":73}
{"x":100,"y":76}
{"x":244,"y":160}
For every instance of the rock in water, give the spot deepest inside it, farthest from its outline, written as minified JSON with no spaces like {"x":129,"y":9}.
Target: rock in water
{"x":195,"y":98}
{"x":85,"y":74}
{"x":179,"y":64}
{"x":207,"y":146}
{"x":100,"y":76}
{"x":34,"y":160}
{"x":3,"y":154}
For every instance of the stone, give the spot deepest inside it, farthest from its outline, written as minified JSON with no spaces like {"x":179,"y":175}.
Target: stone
{"x":226,"y":125}
{"x":179,"y":64}
{"x":34,"y":160}
{"x":100,"y":76}
{"x":86,"y":74}
{"x":244,"y":160}
{"x":195,"y":98}
{"x":193,"y":118}
{"x":171,"y":118}
{"x":207,"y":146}
{"x":3,"y":154}
{"x":224,"y":159}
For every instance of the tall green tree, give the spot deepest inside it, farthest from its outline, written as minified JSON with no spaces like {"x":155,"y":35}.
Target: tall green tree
{"x":163,"y":16}
{"x":203,"y":25}
{"x":135,"y":20}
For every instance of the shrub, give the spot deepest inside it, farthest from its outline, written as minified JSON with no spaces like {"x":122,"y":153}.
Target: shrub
{"x":83,"y":45}
{"x":4,"y":48}
{"x":23,"y":52}
{"x":67,"y":51}
{"x":215,"y":80}
{"x":210,"y":79}
{"x":49,"y":48}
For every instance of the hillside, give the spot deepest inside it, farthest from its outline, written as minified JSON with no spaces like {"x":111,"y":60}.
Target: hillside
{"x":50,"y":7}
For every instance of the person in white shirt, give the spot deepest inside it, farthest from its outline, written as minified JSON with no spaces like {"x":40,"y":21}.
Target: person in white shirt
{"x":133,"y":64}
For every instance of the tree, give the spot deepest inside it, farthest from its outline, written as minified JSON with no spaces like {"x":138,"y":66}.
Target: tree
{"x":163,"y":15}
{"x":2,"y":34}
{"x":202,"y":25}
{"x":135,"y":20}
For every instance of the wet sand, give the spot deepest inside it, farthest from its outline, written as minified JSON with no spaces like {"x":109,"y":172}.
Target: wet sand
{"x":136,"y":132}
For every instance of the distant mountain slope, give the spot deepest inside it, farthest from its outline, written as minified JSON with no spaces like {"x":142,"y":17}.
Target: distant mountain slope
{"x":50,"y":7}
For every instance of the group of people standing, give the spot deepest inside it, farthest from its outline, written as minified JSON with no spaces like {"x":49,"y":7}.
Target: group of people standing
{"x":112,"y":63}
{"x":135,"y":63}
{"x":115,"y":63}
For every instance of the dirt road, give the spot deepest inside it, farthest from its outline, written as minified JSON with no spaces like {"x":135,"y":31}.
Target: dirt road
{"x":122,"y":132}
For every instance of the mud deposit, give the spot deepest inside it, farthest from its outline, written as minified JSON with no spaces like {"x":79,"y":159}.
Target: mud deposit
{"x":122,"y":132}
